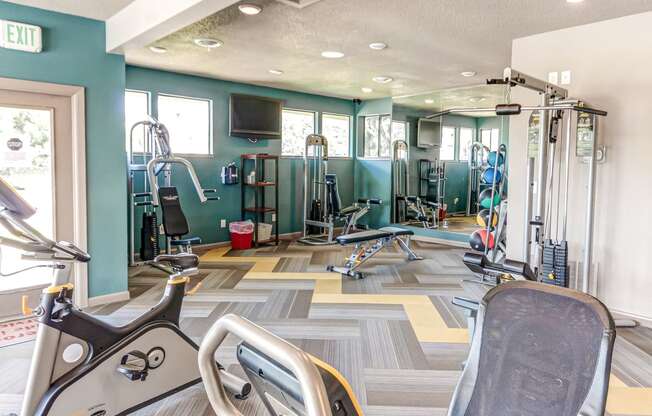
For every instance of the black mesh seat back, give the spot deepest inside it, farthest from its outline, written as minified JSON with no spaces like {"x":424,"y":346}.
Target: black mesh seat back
{"x":332,"y":194}
{"x":174,"y":221}
{"x":542,"y":351}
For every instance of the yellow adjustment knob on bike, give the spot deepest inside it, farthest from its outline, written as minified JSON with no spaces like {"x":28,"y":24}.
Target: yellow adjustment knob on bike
{"x":27,"y":311}
{"x":194,"y":289}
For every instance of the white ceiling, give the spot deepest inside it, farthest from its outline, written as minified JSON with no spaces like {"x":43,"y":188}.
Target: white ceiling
{"x":93,"y":9}
{"x":430,"y":42}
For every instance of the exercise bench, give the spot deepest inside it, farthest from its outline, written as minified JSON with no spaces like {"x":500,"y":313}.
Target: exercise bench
{"x":368,"y":243}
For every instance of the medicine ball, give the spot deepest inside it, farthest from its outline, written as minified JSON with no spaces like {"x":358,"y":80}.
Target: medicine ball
{"x":483,"y":218}
{"x":479,"y":238}
{"x":488,"y":175}
{"x":491,"y":159}
{"x":485,"y":198}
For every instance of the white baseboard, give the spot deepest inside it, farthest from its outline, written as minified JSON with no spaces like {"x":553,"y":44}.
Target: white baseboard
{"x":645,"y":321}
{"x":110,"y":298}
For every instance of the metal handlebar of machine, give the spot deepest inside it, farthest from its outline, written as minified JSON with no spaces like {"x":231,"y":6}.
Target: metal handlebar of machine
{"x":14,"y":211}
{"x":315,"y":397}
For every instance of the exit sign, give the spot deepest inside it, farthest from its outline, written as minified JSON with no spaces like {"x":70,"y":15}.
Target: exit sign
{"x":20,"y":36}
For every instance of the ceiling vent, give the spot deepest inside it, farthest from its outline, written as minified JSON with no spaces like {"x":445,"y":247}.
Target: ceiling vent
{"x":299,"y":4}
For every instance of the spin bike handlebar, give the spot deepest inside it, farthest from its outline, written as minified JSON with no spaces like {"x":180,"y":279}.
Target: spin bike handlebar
{"x":14,"y":211}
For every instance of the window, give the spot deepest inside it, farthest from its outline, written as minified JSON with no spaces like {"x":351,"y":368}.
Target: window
{"x":447,"y":149}
{"x":136,"y":109}
{"x":337,"y":129}
{"x":466,"y":140}
{"x":399,"y":130}
{"x":490,"y":138}
{"x":189,"y":123}
{"x":377,"y":136}
{"x":297,"y":125}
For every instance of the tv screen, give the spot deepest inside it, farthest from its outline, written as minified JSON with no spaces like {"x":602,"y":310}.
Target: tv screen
{"x":255,"y":117}
{"x":429,"y":133}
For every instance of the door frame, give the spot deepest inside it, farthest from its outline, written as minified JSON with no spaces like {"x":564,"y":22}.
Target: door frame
{"x":76,"y":97}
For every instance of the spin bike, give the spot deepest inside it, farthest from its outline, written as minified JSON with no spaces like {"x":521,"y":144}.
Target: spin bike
{"x":83,"y":366}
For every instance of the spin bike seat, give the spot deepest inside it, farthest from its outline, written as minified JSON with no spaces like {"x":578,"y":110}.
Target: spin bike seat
{"x":181,"y":261}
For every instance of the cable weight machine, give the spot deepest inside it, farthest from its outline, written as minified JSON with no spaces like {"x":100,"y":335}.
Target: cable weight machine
{"x":149,"y":168}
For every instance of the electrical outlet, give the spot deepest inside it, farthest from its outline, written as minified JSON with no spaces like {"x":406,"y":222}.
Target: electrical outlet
{"x":273,"y":217}
{"x":565,"y":77}
{"x":223,"y":223}
{"x":553,"y":77}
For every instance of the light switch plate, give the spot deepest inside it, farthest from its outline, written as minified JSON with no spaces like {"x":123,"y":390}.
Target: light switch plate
{"x":565,"y":77}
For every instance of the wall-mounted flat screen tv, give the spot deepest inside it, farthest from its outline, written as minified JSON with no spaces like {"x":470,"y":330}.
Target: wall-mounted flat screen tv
{"x":254,"y":117}
{"x":429,"y":133}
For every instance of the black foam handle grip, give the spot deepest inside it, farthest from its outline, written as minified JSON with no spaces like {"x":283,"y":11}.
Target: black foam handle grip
{"x":508,"y":109}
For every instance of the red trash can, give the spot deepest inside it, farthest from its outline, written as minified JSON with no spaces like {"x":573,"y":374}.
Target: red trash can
{"x":242,"y":234}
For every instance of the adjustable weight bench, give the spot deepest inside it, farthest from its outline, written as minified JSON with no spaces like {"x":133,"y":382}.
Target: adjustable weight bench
{"x":368,"y":243}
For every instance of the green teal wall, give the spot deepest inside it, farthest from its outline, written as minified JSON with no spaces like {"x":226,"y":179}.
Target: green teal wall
{"x":204,"y":219}
{"x":74,"y":54}
{"x":373,"y":176}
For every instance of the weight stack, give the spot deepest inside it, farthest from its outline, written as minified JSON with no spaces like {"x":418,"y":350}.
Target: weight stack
{"x":554,"y":268}
{"x":149,"y":248}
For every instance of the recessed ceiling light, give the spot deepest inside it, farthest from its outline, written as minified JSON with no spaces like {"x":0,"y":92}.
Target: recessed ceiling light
{"x":208,"y":43}
{"x":367,"y":90}
{"x":382,"y":79}
{"x":378,"y":46}
{"x":158,"y":49}
{"x":276,"y":72}
{"x":332,"y":54}
{"x":250,"y":9}
{"x":468,"y":73}
{"x":429,"y":101}
{"x":574,"y":1}
{"x":476,"y":99}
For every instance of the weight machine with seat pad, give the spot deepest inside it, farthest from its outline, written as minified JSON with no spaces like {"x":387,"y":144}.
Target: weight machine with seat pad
{"x":175,"y":223}
{"x":368,"y":243}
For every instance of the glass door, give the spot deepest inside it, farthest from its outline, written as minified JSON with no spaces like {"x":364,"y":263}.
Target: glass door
{"x":27,"y":163}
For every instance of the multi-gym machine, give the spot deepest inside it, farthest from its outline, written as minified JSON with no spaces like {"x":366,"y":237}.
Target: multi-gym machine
{"x":147,"y":167}
{"x":400,"y":180}
{"x":82,"y":365}
{"x":545,"y":245}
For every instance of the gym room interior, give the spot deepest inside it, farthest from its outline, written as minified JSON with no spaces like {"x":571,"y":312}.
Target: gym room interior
{"x":325,"y":207}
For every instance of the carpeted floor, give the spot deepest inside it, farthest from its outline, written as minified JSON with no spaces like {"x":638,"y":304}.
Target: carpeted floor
{"x":394,"y":335}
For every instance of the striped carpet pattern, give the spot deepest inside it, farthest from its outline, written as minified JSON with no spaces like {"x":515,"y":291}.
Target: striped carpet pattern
{"x":394,"y":335}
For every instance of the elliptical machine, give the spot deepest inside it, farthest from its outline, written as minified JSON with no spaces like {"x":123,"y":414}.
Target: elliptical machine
{"x":83,"y":366}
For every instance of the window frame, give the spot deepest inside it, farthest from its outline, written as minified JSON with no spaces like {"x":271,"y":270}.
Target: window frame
{"x":149,"y":113}
{"x":459,"y":142}
{"x":317,"y":128}
{"x":407,"y":131}
{"x":455,"y":143}
{"x":211,"y":147}
{"x":321,"y":131}
{"x":490,"y":130}
{"x":361,"y":137}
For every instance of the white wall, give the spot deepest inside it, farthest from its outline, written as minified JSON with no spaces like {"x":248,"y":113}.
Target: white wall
{"x":611,"y":64}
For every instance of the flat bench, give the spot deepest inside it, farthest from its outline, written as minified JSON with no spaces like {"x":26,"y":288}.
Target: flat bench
{"x":368,"y":243}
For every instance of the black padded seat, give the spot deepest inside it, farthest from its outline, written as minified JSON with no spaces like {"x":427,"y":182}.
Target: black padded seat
{"x":348,"y":210}
{"x":396,"y":231}
{"x":362,"y":236}
{"x":179,"y":261}
{"x":537,"y":350}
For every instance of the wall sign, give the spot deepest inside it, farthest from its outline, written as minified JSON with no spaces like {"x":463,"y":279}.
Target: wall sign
{"x":20,"y":36}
